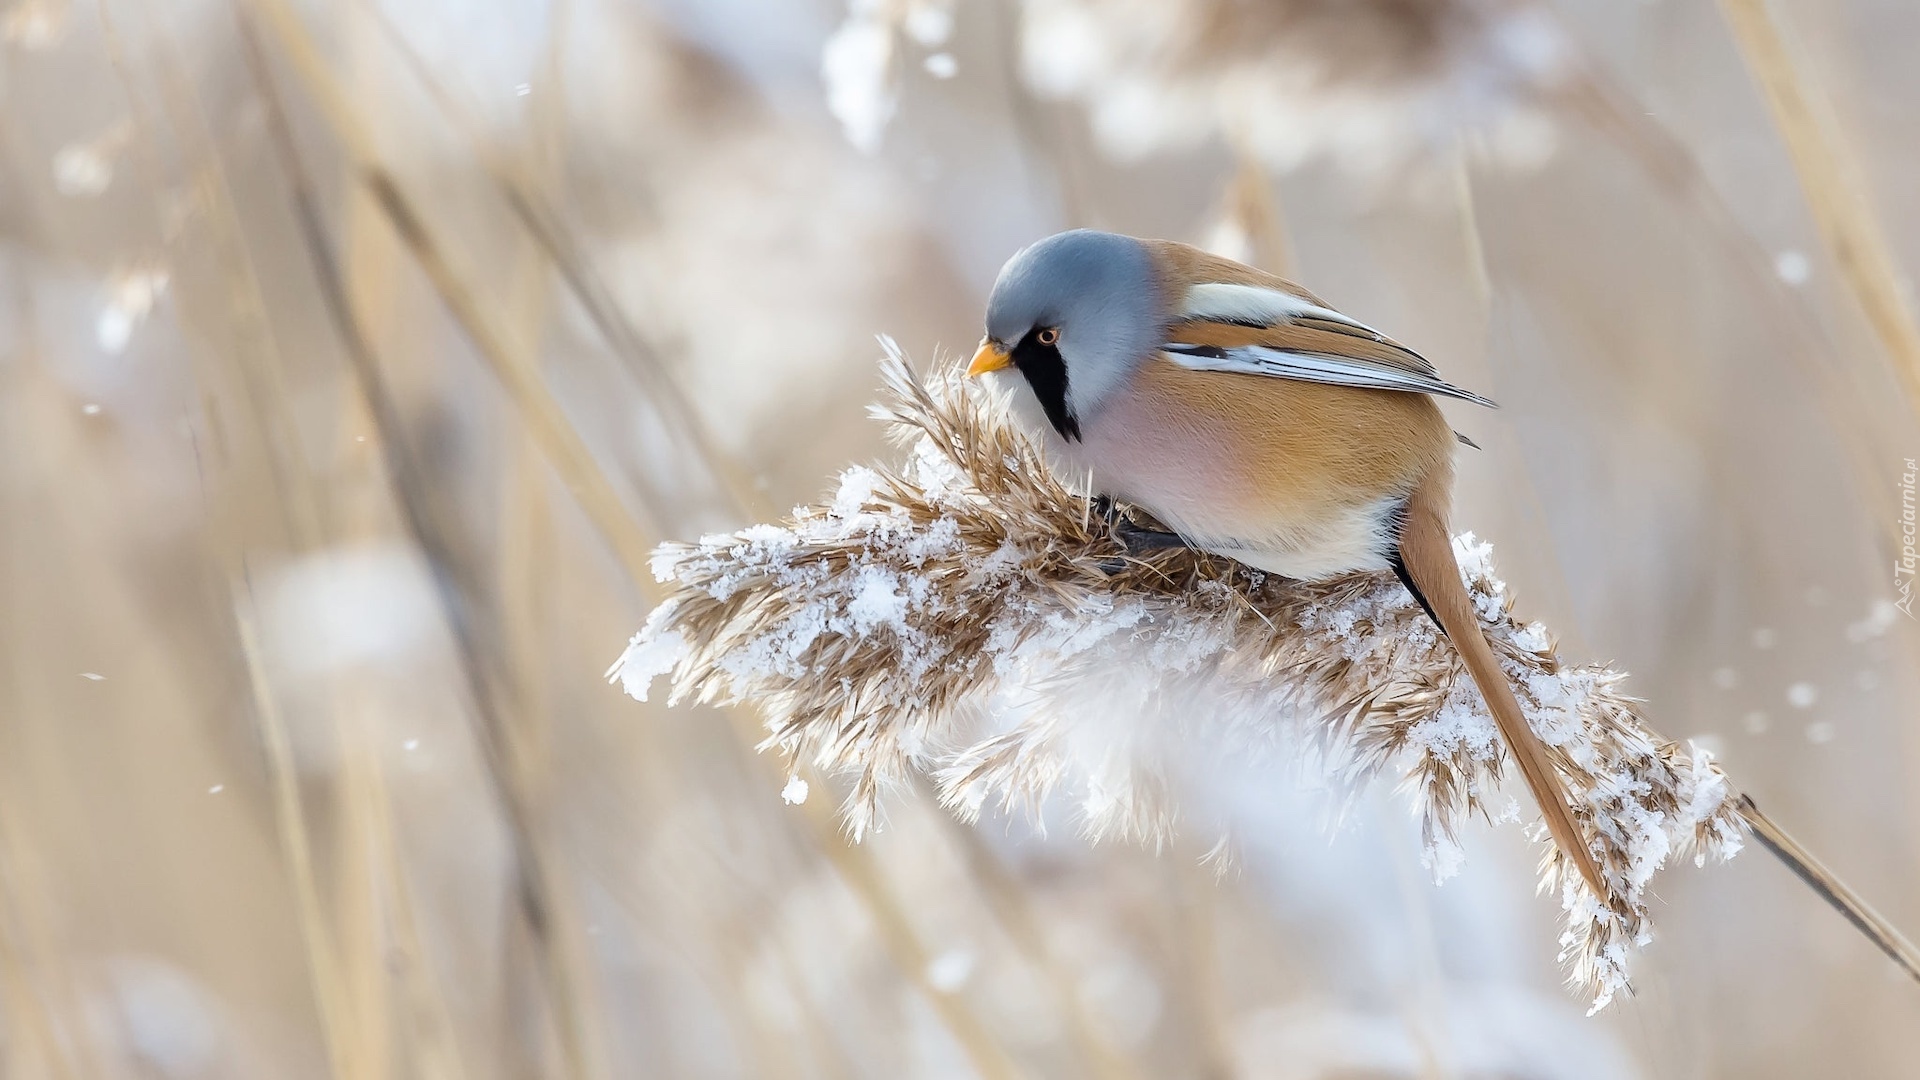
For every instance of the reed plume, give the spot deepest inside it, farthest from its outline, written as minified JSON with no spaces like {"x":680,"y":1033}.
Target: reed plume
{"x":967,"y":617}
{"x":1372,"y":85}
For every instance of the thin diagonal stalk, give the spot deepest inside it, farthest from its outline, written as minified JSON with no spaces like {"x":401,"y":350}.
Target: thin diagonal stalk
{"x":1670,"y":160}
{"x":589,"y":288}
{"x":329,"y":988}
{"x":357,"y":1024}
{"x":581,"y":475}
{"x":1250,"y":201}
{"x":1830,"y":178}
{"x":35,"y":1024}
{"x":403,"y":957}
{"x":545,"y":420}
{"x":525,"y":523}
{"x":1840,"y":392}
{"x":547,"y":228}
{"x":1830,"y":888}
{"x":37,"y":1038}
{"x":537,"y":887}
{"x":262,"y":391}
{"x":357,"y":917}
{"x":437,"y":1054}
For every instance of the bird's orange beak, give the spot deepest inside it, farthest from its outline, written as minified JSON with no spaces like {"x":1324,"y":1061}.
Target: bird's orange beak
{"x":989,"y":357}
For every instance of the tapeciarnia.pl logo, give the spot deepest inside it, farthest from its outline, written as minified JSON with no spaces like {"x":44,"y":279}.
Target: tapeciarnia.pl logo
{"x":1903,"y":570}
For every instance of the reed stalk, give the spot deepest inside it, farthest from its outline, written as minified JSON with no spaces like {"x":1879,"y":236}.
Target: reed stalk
{"x":330,"y":991}
{"x":547,"y":227}
{"x":538,"y":890}
{"x":41,"y":999}
{"x":536,"y":215}
{"x":43,"y":1046}
{"x":1251,"y":202}
{"x":1833,"y":183}
{"x":1829,"y":887}
{"x":255,"y":394}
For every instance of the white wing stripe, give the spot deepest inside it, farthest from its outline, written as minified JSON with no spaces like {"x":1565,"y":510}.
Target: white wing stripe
{"x":1313,"y":367}
{"x":1252,"y":304}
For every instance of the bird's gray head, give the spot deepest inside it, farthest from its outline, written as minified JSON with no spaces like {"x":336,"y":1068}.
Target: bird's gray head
{"x":1075,"y":313}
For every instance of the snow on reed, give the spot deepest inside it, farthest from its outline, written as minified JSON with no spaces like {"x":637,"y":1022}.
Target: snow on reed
{"x":967,"y":617}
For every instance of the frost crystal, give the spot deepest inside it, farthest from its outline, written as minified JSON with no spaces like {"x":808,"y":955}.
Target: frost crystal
{"x":81,"y":171}
{"x":967,"y":617}
{"x":795,"y":792}
{"x":132,"y":293}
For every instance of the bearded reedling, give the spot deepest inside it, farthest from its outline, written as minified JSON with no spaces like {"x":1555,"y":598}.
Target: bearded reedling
{"x":1257,"y":423}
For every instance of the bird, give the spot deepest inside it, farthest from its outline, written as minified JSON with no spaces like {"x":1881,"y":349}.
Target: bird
{"x":1256,"y":422}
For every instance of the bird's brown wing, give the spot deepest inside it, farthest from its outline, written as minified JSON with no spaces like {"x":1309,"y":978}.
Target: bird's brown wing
{"x":1307,"y":350}
{"x":1224,"y":316}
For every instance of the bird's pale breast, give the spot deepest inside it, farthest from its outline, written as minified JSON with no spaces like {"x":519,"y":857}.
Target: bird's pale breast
{"x":1293,"y":477}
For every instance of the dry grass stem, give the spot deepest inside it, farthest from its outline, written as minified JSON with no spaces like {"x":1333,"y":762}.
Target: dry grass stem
{"x":1835,"y":192}
{"x":1252,"y":227}
{"x":583,"y":281}
{"x":563,"y":449}
{"x":331,"y":996}
{"x":1830,"y":888}
{"x":1843,"y":395}
{"x":247,"y":382}
{"x":537,"y":890}
{"x":536,"y":214}
{"x":546,"y":422}
{"x":967,"y":618}
{"x":41,"y":1045}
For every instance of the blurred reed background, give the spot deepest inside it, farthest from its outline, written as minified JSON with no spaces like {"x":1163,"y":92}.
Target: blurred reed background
{"x":354,"y":353}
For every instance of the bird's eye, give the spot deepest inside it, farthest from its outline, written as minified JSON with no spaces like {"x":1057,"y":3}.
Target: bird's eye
{"x":1048,"y":336}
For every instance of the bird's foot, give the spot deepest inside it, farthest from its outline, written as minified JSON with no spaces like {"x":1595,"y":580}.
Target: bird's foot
{"x":1135,"y":540}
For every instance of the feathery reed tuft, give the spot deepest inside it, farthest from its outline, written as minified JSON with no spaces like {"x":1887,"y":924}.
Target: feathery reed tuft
{"x":968,"y":617}
{"x":1371,"y":85}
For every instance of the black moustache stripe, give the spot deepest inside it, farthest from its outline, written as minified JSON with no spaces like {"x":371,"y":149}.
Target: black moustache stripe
{"x":1046,"y":372}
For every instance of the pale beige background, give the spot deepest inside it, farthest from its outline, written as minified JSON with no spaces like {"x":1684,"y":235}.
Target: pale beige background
{"x":274,"y":805}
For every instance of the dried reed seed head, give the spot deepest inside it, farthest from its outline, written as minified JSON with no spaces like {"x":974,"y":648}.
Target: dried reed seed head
{"x":1372,"y":84}
{"x":966,"y":616}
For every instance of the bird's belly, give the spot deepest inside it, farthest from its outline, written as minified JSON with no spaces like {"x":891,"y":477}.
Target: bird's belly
{"x":1247,"y":479}
{"x":1223,"y":509}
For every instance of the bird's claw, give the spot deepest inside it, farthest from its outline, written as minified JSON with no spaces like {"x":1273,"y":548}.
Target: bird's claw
{"x":1135,"y":540}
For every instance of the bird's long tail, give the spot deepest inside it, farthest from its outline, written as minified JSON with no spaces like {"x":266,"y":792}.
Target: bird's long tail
{"x":1428,"y":567}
